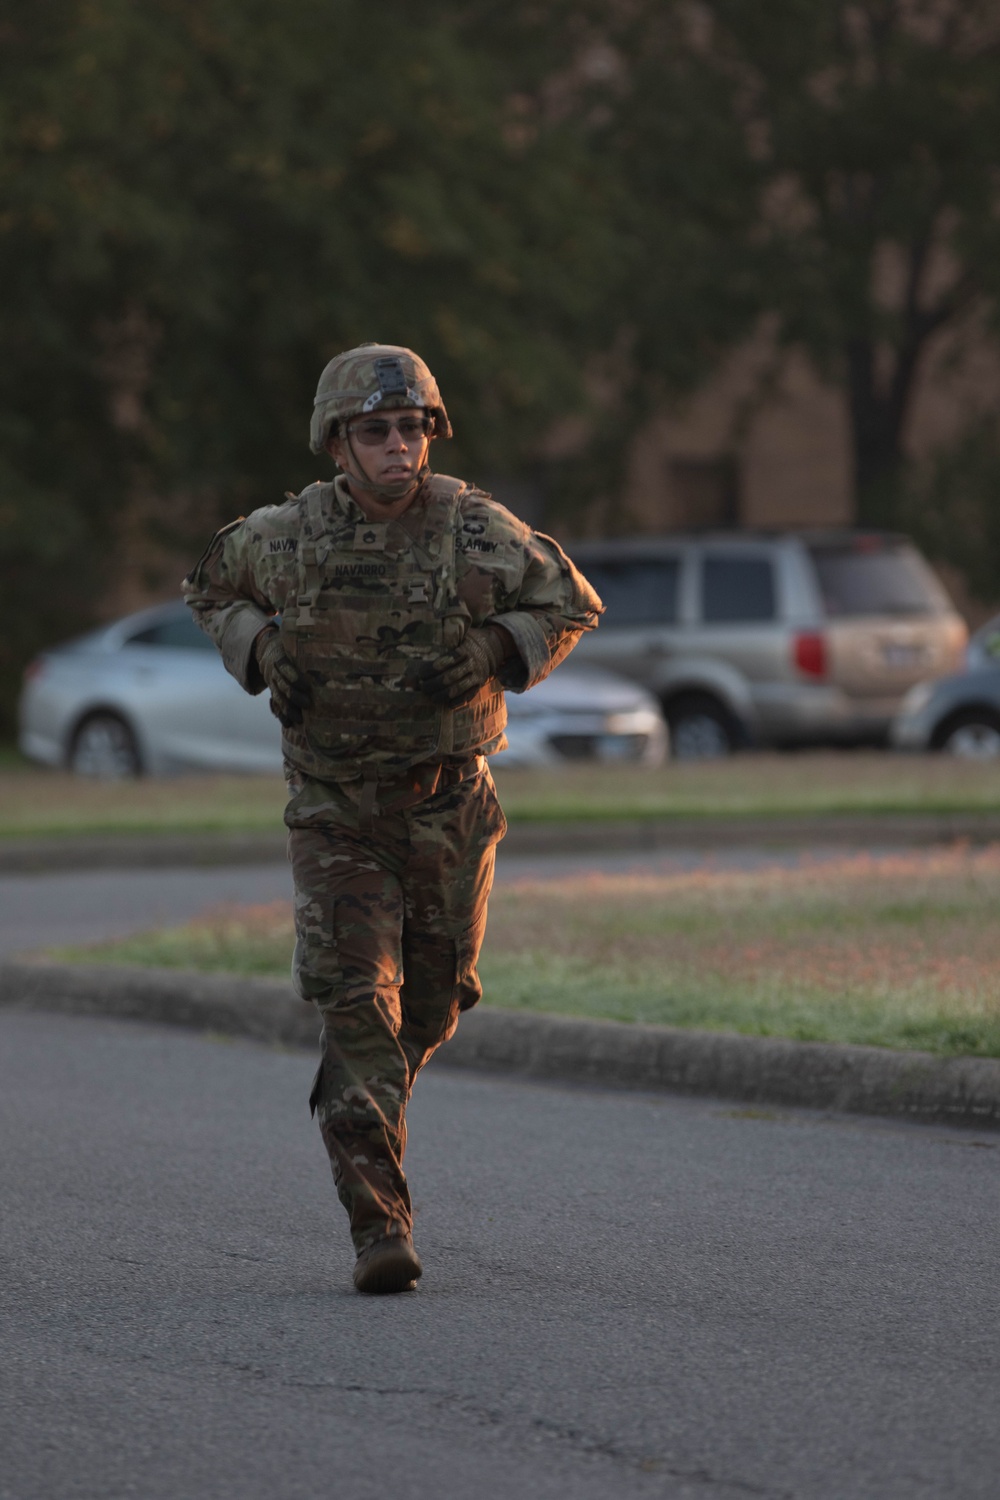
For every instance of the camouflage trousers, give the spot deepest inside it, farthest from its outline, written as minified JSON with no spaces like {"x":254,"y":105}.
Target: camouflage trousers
{"x":390,"y":911}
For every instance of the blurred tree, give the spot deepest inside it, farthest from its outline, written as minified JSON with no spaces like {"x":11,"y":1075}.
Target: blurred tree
{"x":682,"y":277}
{"x":202,"y":201}
{"x":569,"y":208}
{"x":952,"y":507}
{"x":871,"y":130}
{"x":832,"y":163}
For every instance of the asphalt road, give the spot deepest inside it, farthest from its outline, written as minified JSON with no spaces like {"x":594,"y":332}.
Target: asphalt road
{"x":41,"y":910}
{"x":88,"y":906}
{"x":625,"y":1296}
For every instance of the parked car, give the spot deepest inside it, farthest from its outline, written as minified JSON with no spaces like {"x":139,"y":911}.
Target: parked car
{"x":149,"y":693}
{"x":583,"y":713}
{"x":959,"y":714}
{"x":984,"y":646}
{"x":770,"y":638}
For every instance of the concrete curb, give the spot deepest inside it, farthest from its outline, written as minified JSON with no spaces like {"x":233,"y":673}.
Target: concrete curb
{"x":760,"y":1070}
{"x":139,"y":851}
{"x":166,"y":850}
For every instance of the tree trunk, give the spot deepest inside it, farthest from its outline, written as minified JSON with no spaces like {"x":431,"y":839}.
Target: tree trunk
{"x":877,"y":419}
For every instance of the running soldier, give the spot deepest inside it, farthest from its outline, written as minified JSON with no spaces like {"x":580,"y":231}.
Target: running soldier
{"x":386,"y":611}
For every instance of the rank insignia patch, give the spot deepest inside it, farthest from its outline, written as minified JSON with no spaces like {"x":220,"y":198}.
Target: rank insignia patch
{"x":370,"y":537}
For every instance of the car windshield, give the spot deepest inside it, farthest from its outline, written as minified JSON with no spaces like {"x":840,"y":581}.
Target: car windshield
{"x":872,"y":576}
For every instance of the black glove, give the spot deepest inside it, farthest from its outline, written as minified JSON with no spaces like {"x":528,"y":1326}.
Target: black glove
{"x":456,"y":678}
{"x":290,"y":690}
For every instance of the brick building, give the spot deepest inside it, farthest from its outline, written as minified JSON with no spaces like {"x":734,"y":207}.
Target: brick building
{"x":766,"y":442}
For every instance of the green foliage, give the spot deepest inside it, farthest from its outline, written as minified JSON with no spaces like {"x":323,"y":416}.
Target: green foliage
{"x":831,"y":164}
{"x":204,"y":200}
{"x":566,"y":208}
{"x":683,"y":279}
{"x":873,"y":131}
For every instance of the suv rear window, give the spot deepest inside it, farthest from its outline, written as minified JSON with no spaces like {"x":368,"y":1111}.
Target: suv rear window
{"x":736,"y":589}
{"x":636,"y":593}
{"x":871,"y":576}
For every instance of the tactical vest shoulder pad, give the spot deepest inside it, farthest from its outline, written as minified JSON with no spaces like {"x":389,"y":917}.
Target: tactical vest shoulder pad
{"x":290,"y":498}
{"x":443,"y":486}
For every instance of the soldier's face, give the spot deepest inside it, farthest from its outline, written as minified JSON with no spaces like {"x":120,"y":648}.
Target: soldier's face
{"x":398,"y":457}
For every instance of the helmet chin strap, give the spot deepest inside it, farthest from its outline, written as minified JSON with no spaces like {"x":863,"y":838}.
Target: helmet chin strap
{"x":389,"y":492}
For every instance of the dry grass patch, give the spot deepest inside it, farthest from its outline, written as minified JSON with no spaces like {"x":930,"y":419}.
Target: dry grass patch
{"x":764,"y":784}
{"x":37,"y":802}
{"x":900,"y":951}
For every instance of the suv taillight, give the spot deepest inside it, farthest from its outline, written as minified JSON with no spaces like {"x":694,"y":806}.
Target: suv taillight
{"x":809,"y":653}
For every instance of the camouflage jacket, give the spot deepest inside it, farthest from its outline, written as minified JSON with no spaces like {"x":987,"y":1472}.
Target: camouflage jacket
{"x":354,"y":585}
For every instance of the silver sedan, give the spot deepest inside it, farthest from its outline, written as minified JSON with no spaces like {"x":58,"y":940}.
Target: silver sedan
{"x":959,"y":714}
{"x":149,"y":694}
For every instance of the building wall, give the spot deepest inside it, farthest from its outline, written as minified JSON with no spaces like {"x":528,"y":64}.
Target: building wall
{"x":959,"y":385}
{"x":766,"y":442}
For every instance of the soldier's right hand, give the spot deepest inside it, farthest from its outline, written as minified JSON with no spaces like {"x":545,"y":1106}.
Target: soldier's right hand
{"x":290,"y":689}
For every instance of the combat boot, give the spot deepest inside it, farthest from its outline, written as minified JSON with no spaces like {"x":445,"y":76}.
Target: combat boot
{"x":390,"y":1265}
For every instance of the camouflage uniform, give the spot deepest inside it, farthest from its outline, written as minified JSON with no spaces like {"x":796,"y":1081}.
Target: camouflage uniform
{"x":393,"y":817}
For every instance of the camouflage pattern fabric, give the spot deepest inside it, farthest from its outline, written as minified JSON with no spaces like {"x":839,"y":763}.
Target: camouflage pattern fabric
{"x":389,"y":923}
{"x":366,"y":708}
{"x":364,"y":379}
{"x":392,"y":828}
{"x":496,"y":571}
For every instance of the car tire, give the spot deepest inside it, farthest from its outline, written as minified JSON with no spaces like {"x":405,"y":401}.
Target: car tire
{"x":700,"y":728}
{"x":103,"y":746}
{"x":973,"y":734}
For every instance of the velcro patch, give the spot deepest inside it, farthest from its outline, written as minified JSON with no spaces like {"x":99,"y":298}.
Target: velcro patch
{"x":370,"y":537}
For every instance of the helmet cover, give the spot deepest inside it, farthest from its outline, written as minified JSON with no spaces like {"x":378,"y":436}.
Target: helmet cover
{"x":360,"y":381}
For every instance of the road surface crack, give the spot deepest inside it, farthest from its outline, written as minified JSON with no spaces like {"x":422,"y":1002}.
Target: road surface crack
{"x":586,"y":1443}
{"x":517,"y":1426}
{"x":354,"y":1388}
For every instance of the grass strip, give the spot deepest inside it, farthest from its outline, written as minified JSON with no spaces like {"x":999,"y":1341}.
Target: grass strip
{"x":37,"y":803}
{"x":896,"y":951}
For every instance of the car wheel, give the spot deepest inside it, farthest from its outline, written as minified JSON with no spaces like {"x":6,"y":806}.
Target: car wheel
{"x":974,"y":735}
{"x":104,"y":746}
{"x":700,"y":729}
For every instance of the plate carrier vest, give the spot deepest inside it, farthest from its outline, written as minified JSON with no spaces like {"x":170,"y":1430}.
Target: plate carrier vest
{"x":372,"y":604}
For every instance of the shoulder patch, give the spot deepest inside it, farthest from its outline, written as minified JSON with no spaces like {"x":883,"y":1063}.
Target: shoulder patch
{"x":488,"y":526}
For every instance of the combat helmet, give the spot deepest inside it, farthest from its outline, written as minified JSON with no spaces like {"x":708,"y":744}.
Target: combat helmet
{"x":359,"y":381}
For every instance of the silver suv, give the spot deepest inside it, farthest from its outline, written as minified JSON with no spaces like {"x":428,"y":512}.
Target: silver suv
{"x":774,"y":639}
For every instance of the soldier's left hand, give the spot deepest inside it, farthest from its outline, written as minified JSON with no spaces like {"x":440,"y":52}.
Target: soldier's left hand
{"x":455,"y":679}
